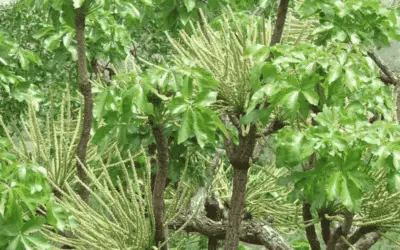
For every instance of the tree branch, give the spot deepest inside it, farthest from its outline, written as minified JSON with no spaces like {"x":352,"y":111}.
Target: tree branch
{"x":310,"y":230}
{"x":253,"y":232}
{"x":388,"y":76}
{"x":325,"y":226}
{"x":369,"y":241}
{"x":342,"y":230}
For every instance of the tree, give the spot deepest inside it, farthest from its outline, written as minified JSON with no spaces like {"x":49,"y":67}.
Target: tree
{"x":246,"y":120}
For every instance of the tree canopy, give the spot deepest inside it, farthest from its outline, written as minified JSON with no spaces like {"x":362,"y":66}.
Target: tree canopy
{"x":199,"y":124}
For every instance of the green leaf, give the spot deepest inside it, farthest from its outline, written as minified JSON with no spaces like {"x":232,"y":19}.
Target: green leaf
{"x":43,"y":32}
{"x":23,"y":61}
{"x":187,"y":87}
{"x":221,"y":126}
{"x":132,"y":11}
{"x":178,"y":105}
{"x":101,"y":133}
{"x":311,"y":96}
{"x":68,"y":15}
{"x":4,"y":62}
{"x":68,"y":39}
{"x":139,"y":99}
{"x":186,"y":128}
{"x":52,"y":42}
{"x":205,"y":98}
{"x":189,"y":4}
{"x":257,"y":115}
{"x":351,"y":81}
{"x":200,"y":128}
{"x":345,"y":194}
{"x":39,"y":241}
{"x":252,"y":49}
{"x":291,"y":100}
{"x":100,"y":103}
{"x":147,"y":2}
{"x":33,"y":225}
{"x":269,"y":73}
{"x":335,"y":72}
{"x":332,"y":188}
{"x":16,"y":244}
{"x":78,"y":3}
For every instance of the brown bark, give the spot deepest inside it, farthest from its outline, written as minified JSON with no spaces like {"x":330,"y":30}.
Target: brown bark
{"x":86,"y":91}
{"x":236,"y":208}
{"x":342,"y":230}
{"x":239,"y":156}
{"x":161,"y":234}
{"x":254,"y":232}
{"x":214,"y":213}
{"x":280,"y":22}
{"x":369,"y":241}
{"x":310,"y":230}
{"x":325,"y":226}
{"x":360,"y":233}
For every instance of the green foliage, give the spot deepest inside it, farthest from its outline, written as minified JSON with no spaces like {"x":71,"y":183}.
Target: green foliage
{"x":24,"y":193}
{"x":367,"y":22}
{"x":117,"y":217}
{"x":319,"y":82}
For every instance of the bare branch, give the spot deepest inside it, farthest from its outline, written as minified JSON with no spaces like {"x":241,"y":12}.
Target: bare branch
{"x":253,"y":232}
{"x":388,"y":76}
{"x":342,"y":230}
{"x":369,"y":241}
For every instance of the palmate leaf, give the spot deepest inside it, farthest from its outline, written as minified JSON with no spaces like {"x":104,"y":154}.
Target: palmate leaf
{"x":186,"y":128}
{"x":78,"y":3}
{"x":189,"y":4}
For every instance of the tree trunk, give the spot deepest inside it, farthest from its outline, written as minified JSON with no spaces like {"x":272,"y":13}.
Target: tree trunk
{"x":161,"y":234}
{"x":310,"y":230}
{"x":239,"y":156}
{"x":280,"y":22}
{"x":236,"y":208}
{"x":86,"y":91}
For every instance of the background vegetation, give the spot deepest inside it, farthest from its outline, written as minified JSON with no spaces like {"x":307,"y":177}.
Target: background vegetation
{"x":199,"y":124}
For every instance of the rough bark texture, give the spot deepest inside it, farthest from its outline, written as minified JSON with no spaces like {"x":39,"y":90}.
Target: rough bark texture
{"x":388,"y":78}
{"x":239,"y":156}
{"x":368,"y":241}
{"x":342,"y":230}
{"x":86,"y":90}
{"x":359,"y":233}
{"x":161,"y":234}
{"x":310,"y":230}
{"x":214,"y":213}
{"x":280,"y":22}
{"x":253,"y":232}
{"x":325,"y":226}
{"x":235,"y":210}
